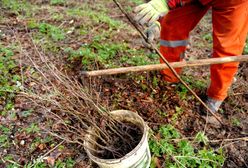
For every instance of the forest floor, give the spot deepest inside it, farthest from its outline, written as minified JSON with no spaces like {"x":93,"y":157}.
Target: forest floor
{"x":86,"y":35}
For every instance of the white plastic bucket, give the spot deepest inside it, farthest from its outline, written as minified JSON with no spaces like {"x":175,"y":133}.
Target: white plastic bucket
{"x":139,"y":157}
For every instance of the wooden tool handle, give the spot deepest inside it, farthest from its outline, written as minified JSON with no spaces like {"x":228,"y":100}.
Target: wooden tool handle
{"x":192,"y":63}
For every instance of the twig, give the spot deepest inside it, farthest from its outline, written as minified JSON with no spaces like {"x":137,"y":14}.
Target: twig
{"x":51,"y":150}
{"x":238,"y":94}
{"x":232,"y":139}
{"x":215,"y":140}
{"x":10,"y":161}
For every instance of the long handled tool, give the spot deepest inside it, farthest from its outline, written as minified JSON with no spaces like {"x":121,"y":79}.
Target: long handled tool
{"x":193,"y":63}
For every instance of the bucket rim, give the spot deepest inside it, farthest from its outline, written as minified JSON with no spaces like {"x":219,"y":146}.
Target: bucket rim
{"x":132,"y":152}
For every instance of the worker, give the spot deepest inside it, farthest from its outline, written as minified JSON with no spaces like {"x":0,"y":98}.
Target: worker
{"x":172,"y":21}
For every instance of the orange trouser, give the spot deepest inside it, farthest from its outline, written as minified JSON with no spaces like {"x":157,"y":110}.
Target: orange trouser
{"x":230,"y":27}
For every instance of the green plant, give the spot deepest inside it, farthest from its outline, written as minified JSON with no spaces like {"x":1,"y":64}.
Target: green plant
{"x":95,"y":16}
{"x":208,"y":37}
{"x":103,"y":53}
{"x":9,"y":79}
{"x":162,"y":113}
{"x":26,"y":113}
{"x":36,"y":165}
{"x":181,"y":153}
{"x":23,"y":8}
{"x":68,"y":163}
{"x":155,"y":81}
{"x":182,"y":91}
{"x":3,"y":139}
{"x":201,"y":138}
{"x":52,"y":31}
{"x":4,"y":130}
{"x":137,"y":2}
{"x":33,"y":128}
{"x":57,"y":2}
{"x":236,"y":122}
{"x":177,"y":114}
{"x":58,"y":16}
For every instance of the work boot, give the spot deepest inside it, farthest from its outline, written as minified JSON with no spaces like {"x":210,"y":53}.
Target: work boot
{"x":213,"y":104}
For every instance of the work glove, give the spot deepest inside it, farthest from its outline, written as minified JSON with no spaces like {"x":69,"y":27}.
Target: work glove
{"x":152,"y":33}
{"x":151,"y":11}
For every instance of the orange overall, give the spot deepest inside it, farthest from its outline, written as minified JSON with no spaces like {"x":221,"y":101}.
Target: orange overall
{"x":230,"y":27}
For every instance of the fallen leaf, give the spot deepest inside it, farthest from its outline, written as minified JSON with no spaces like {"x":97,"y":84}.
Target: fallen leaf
{"x":50,"y":160}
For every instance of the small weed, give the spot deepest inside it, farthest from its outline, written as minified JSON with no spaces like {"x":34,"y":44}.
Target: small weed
{"x":84,"y":54}
{"x":32,"y":24}
{"x":33,"y":128}
{"x":182,"y":91}
{"x":236,"y":122}
{"x":4,"y":130}
{"x":3,"y":140}
{"x":182,"y":153}
{"x":8,"y":78}
{"x":196,"y":84}
{"x":199,"y":84}
{"x":162,"y":113}
{"x":26,"y":113}
{"x":177,"y":114}
{"x":201,"y":138}
{"x":57,"y":16}
{"x":168,"y":132}
{"x":57,"y":2}
{"x":69,"y":163}
{"x":208,"y":37}
{"x":52,"y":31}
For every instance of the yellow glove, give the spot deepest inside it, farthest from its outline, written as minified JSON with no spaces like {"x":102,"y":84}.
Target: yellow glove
{"x":151,"y":11}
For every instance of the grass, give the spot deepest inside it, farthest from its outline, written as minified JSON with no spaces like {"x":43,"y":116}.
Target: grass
{"x":108,"y":55}
{"x":57,"y":2}
{"x":93,"y":17}
{"x":22,"y":9}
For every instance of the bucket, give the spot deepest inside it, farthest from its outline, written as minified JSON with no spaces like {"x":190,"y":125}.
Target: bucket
{"x":139,"y":157}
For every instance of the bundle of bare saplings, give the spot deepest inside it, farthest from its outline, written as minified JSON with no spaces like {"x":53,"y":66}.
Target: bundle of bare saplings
{"x":75,"y":106}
